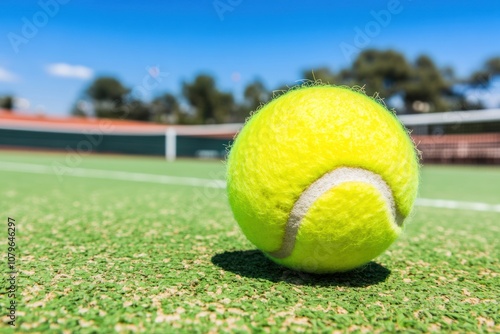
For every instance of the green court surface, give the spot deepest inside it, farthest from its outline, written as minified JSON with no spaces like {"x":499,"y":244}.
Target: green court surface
{"x":102,"y":247}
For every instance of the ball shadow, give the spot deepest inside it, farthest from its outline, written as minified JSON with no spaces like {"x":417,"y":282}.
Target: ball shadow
{"x":253,"y":264}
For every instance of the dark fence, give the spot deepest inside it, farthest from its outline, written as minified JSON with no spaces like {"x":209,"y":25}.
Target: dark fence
{"x":481,"y":148}
{"x":187,"y":146}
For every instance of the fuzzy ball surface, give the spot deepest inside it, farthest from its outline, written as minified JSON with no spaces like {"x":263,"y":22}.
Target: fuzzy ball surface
{"x":322,"y":178}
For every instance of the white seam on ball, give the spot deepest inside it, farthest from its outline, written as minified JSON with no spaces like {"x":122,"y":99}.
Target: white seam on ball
{"x":321,"y":186}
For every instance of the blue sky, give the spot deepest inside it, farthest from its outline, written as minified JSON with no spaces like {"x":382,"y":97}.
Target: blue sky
{"x":272,"y":40}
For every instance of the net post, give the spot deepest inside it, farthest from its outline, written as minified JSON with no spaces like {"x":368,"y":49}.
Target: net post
{"x":170,"y":144}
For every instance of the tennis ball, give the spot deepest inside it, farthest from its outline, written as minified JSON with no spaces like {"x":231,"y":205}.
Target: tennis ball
{"x":321,"y":179}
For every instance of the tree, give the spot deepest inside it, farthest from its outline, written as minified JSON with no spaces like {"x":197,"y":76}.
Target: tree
{"x":7,"y":103}
{"x":210,"y":104}
{"x":136,"y":110}
{"x":478,"y":83}
{"x":107,"y":89}
{"x":484,"y":77}
{"x":493,"y":65}
{"x":108,"y":96}
{"x":379,"y":72}
{"x":255,"y":95}
{"x":421,"y":85}
{"x":166,"y":109}
{"x":111,"y":99}
{"x":320,"y":74}
{"x":426,"y":89}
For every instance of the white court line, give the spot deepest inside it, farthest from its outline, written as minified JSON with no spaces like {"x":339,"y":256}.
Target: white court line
{"x":197,"y":182}
{"x":457,"y":205}
{"x":108,"y":174}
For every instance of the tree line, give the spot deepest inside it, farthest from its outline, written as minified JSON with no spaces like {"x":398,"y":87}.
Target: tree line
{"x":7,"y":102}
{"x":412,"y":86}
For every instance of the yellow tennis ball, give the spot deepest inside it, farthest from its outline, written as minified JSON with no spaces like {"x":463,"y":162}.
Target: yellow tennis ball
{"x":321,"y":179}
